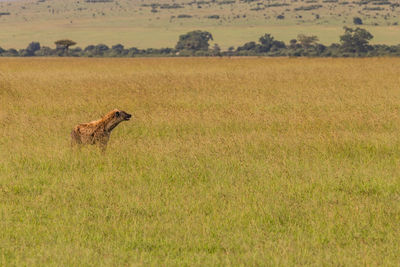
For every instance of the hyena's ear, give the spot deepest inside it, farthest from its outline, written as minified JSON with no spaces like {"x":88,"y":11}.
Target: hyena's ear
{"x":117,"y":114}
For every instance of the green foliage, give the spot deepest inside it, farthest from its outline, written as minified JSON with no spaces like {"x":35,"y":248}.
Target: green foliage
{"x":193,"y":41}
{"x":63,"y":45}
{"x":32,"y":48}
{"x":307,"y":8}
{"x":247,"y":46}
{"x":236,"y":25}
{"x":357,"y":21}
{"x":10,"y":53}
{"x":267,"y":41}
{"x":307,"y":41}
{"x":267,"y":45}
{"x":44,"y":52}
{"x":353,"y":43}
{"x":213,"y":17}
{"x":216,"y":50}
{"x":184,"y":16}
{"x":355,"y":40}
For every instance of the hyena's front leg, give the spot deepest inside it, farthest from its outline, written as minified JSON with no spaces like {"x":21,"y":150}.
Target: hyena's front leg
{"x":102,"y":140}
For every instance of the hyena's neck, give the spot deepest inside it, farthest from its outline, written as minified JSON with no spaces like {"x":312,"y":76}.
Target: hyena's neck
{"x":111,"y":124}
{"x":111,"y":127}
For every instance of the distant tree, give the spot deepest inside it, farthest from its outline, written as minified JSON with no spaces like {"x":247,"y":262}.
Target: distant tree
{"x":195,"y":40}
{"x":2,"y":50}
{"x":230,"y":51}
{"x":278,"y":45}
{"x":44,"y":51}
{"x":32,"y":48}
{"x":117,"y":50}
{"x":118,"y":47}
{"x":151,"y":51}
{"x":100,"y":49}
{"x":293,"y":43}
{"x":133,"y":51}
{"x":64,"y":45}
{"x":266,"y":42}
{"x":24,"y":53}
{"x":96,"y":50}
{"x":355,"y":40}
{"x":89,"y":48}
{"x":166,"y":50}
{"x":320,"y":48}
{"x":357,"y":21}
{"x":247,"y":46}
{"x":307,"y":41}
{"x":11,"y":52}
{"x":216,"y":50}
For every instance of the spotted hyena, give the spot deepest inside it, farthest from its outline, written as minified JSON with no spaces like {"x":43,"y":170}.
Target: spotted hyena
{"x":98,"y":132}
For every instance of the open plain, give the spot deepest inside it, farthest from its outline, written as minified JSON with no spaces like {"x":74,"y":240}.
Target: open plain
{"x":233,"y":161}
{"x":158,"y":23}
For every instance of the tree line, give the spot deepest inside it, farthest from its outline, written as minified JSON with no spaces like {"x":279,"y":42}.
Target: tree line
{"x":353,"y":43}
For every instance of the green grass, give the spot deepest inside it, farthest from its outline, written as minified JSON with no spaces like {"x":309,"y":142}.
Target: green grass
{"x":226,"y":162}
{"x":131,"y":24}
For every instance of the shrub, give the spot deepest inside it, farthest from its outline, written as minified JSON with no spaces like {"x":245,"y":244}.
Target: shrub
{"x":357,"y":21}
{"x":184,"y":16}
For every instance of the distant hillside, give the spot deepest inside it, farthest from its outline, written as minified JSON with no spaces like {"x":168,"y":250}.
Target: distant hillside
{"x":158,"y":23}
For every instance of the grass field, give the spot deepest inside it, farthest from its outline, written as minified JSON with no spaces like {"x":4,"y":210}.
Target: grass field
{"x":132,"y":22}
{"x":252,"y":161}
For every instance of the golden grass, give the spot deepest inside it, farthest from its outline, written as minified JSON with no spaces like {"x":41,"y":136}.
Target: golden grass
{"x":249,"y":161}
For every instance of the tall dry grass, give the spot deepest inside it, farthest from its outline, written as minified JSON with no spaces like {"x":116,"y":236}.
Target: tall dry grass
{"x":247,"y":161}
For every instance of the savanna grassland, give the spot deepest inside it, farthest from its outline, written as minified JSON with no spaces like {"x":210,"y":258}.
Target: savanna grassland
{"x":158,"y":23}
{"x":251,"y":161}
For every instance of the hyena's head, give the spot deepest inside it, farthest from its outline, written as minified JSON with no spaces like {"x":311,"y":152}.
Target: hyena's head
{"x":115,"y":117}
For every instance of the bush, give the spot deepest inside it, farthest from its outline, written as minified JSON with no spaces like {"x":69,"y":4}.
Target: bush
{"x":10,"y":53}
{"x":213,"y":17}
{"x":195,"y":40}
{"x":307,"y":8}
{"x":45,"y":52}
{"x":184,"y":16}
{"x":357,"y":21}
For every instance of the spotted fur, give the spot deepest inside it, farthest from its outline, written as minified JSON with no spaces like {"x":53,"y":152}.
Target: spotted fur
{"x":98,"y":132}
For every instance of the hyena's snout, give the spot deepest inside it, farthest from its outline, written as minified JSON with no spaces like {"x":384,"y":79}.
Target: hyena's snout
{"x":127,"y":116}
